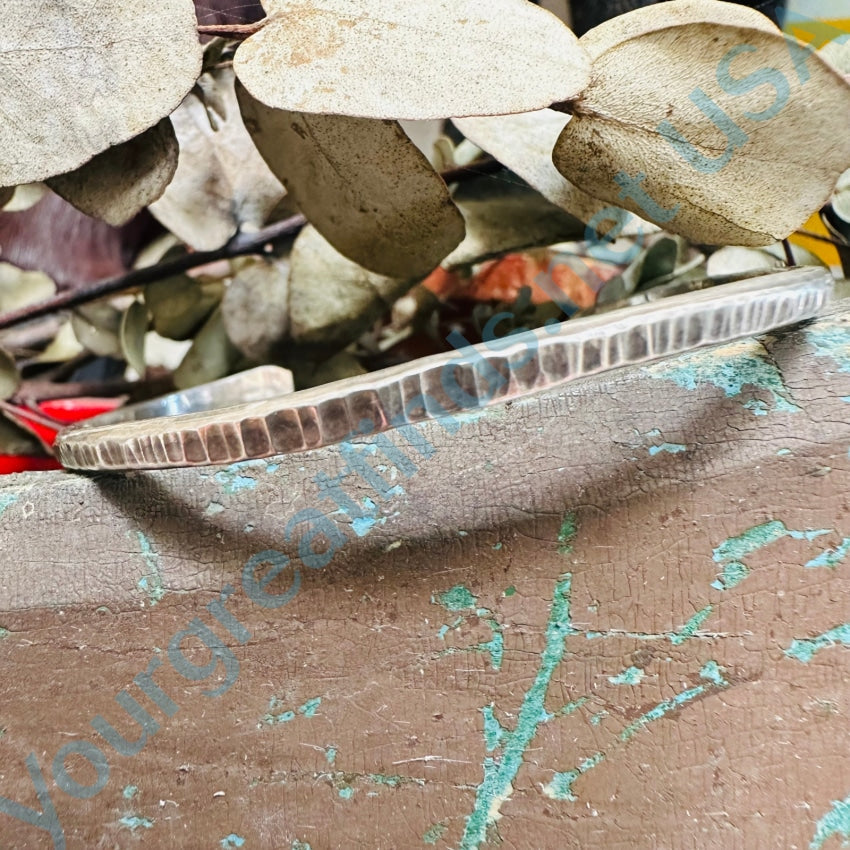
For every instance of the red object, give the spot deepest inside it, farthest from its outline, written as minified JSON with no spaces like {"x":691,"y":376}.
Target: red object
{"x":45,"y":424}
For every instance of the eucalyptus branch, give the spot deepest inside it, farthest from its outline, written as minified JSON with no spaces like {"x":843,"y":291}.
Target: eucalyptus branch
{"x":262,"y":242}
{"x":234,"y":31}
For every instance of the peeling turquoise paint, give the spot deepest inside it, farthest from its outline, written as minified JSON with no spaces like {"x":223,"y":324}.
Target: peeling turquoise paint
{"x":300,"y":845}
{"x":434,"y":833}
{"x":567,"y":533}
{"x":733,"y":574}
{"x":835,"y":822}
{"x":459,"y":598}
{"x":784,"y":452}
{"x":831,"y":339}
{"x":730,"y":368}
{"x":596,"y":719}
{"x":330,"y":755}
{"x":509,"y":591}
{"x":129,"y":792}
{"x":497,"y":546}
{"x":213,"y":509}
{"x":494,"y":732}
{"x":232,"y":840}
{"x":346,"y":793}
{"x":150,"y":584}
{"x":629,"y":676}
{"x":831,"y":557}
{"x":6,"y":502}
{"x":691,"y":627}
{"x":759,"y":536}
{"x":804,"y":650}
{"x":232,"y":479}
{"x":671,"y":448}
{"x":497,"y":784}
{"x":134,"y":822}
{"x":309,"y":708}
{"x":561,"y":786}
{"x":570,"y":708}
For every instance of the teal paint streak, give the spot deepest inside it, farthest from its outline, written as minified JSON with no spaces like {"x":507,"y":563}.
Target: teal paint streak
{"x":835,"y":822}
{"x":309,"y":707}
{"x":570,"y":707}
{"x":730,"y":369}
{"x":6,"y":502}
{"x":494,"y":732}
{"x":670,"y":448}
{"x":784,"y":452}
{"x":629,"y":676}
{"x":129,"y":792}
{"x":459,"y":598}
{"x":733,"y":574}
{"x":691,"y":627}
{"x":713,"y":672}
{"x":346,"y":793}
{"x":831,"y":339}
{"x":596,"y":719}
{"x":151,"y":584}
{"x":133,"y":822}
{"x":330,"y":755}
{"x":434,"y":833}
{"x":759,"y":536}
{"x":232,"y":840}
{"x":567,"y":533}
{"x":497,"y":784}
{"x":831,"y":557}
{"x":804,"y":650}
{"x":561,"y":786}
{"x":660,"y":710}
{"x":300,"y":845}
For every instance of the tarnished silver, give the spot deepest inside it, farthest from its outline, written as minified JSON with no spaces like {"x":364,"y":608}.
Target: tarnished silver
{"x":445,"y":384}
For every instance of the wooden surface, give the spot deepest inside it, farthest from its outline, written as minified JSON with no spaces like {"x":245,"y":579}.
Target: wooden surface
{"x":614,"y":617}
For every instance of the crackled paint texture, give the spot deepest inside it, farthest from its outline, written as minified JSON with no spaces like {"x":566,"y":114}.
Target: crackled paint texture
{"x":6,"y":502}
{"x":677,"y":638}
{"x":831,"y":339}
{"x":134,"y":822}
{"x":151,"y":583}
{"x":460,"y":598}
{"x":805,"y":649}
{"x":731,"y":368}
{"x":836,"y":822}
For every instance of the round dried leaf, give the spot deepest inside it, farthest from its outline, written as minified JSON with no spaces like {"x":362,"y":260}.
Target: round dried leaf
{"x":97,"y":327}
{"x":211,"y":356}
{"x":178,"y":305}
{"x":399,"y":59}
{"x":255,"y":307}
{"x":331,"y":299}
{"x":362,"y":184}
{"x":10,"y":377}
{"x":19,"y":288}
{"x":134,"y":326}
{"x":221,"y":184}
{"x":25,"y":196}
{"x":120,"y":182}
{"x":80,"y":78}
{"x":702,"y":118}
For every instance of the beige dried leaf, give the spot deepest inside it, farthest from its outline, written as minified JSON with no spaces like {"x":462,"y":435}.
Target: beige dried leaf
{"x":362,"y":184}
{"x":255,"y":307}
{"x":120,"y":182}
{"x":10,"y":377}
{"x":701,"y":118}
{"x":26,"y":196}
{"x":403,"y":59}
{"x":79,"y":78}
{"x":19,"y":288}
{"x":222,"y":183}
{"x":524,"y":144}
{"x":211,"y":356}
{"x":331,"y":299}
{"x":179,"y":304}
{"x":134,"y":326}
{"x":97,"y":327}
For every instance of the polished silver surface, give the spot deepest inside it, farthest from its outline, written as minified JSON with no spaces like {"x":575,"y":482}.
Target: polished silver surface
{"x":438,"y":386}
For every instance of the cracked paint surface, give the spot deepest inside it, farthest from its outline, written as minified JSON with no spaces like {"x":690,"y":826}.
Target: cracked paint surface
{"x":151,"y":583}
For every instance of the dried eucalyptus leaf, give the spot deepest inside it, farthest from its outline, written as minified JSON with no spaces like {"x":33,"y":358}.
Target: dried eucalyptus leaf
{"x":702,"y":118}
{"x":362,"y":184}
{"x":16,"y":441}
{"x":19,"y":288}
{"x":25,"y":196}
{"x":524,"y":144}
{"x":10,"y":377}
{"x":399,"y":59}
{"x":63,"y":347}
{"x":255,"y":307}
{"x":120,"y":182}
{"x":211,"y":356}
{"x":134,"y":326}
{"x":506,"y":216}
{"x":222,"y":183}
{"x":79,"y":78}
{"x":331,"y":299}
{"x":97,"y":327}
{"x":178,"y":305}
{"x":734,"y":260}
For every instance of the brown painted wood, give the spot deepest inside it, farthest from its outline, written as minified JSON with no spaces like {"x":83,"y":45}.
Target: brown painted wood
{"x":592,"y":594}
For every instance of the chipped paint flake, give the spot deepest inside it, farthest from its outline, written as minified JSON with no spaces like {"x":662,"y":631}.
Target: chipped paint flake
{"x":494,"y":732}
{"x":6,"y":502}
{"x":134,"y":822}
{"x":459,"y":598}
{"x":310,"y":707}
{"x":629,"y":676}
{"x":805,"y":649}
{"x":567,"y":533}
{"x":831,"y":558}
{"x":232,"y":840}
{"x":836,"y":822}
{"x":129,"y":792}
{"x":831,"y":339}
{"x":731,"y":368}
{"x":233,"y":479}
{"x":151,"y":583}
{"x":434,"y":833}
{"x":670,"y":448}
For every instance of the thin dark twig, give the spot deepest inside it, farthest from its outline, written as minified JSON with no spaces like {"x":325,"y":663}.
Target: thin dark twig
{"x":820,"y":238}
{"x":789,"y":254}
{"x":241,"y":244}
{"x":260,"y":242}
